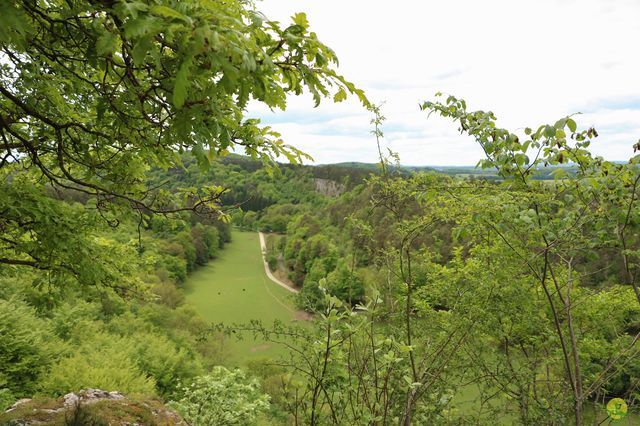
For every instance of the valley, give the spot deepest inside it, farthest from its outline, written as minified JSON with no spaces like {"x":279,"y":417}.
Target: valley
{"x":234,"y":289}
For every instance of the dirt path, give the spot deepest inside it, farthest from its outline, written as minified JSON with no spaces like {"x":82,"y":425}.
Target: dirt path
{"x":263,"y":248}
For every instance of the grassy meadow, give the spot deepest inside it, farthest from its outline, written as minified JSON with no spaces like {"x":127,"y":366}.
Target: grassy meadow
{"x":235,"y":289}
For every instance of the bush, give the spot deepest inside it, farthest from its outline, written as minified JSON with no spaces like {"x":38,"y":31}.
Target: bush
{"x":272,"y":260}
{"x":185,"y":239}
{"x":222,"y":398}
{"x":346,"y":285}
{"x":168,"y":294}
{"x":81,"y":415}
{"x":212,"y":239}
{"x":183,"y":325}
{"x":69,"y":316}
{"x":311,"y":297}
{"x":249,"y":220}
{"x":159,"y":358}
{"x":28,"y":347}
{"x":175,"y":266}
{"x":6,"y":398}
{"x":95,"y":365}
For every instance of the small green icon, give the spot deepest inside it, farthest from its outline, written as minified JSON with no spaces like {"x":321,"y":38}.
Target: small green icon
{"x":617,"y":408}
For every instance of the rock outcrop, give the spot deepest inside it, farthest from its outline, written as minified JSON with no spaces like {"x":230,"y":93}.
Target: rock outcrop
{"x":330,"y":188}
{"x":91,"y":407}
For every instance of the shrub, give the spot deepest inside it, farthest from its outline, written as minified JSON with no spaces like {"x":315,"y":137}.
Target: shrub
{"x":311,"y":297}
{"x":6,"y":398}
{"x":222,"y":398}
{"x":175,"y":266}
{"x":161,"y":359}
{"x":109,"y":368}
{"x":212,"y":239}
{"x":168,"y":294}
{"x":346,"y":285}
{"x":272,"y":260}
{"x":69,"y":316}
{"x":28,"y":346}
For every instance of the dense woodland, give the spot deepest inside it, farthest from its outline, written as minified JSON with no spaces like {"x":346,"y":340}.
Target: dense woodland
{"x":504,"y":294}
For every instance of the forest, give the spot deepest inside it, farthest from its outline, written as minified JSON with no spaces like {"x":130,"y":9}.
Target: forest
{"x":133,"y":187}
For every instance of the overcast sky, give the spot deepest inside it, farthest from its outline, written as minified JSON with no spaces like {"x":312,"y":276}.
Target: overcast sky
{"x":530,"y":62}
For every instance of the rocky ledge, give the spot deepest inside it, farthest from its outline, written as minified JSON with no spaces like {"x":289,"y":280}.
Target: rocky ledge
{"x":91,"y":407}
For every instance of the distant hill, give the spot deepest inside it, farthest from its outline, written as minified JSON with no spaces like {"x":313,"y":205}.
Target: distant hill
{"x":352,"y":173}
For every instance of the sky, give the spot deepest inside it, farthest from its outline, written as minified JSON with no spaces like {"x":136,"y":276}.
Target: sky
{"x":530,"y":62}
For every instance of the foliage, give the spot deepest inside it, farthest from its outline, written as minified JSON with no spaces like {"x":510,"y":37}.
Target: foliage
{"x":93,"y":95}
{"x":345,"y":285}
{"x":272,"y":261}
{"x":91,"y":337}
{"x":117,"y":123}
{"x":549,"y":230}
{"x":108,"y":368}
{"x":312,"y":297}
{"x":28,"y":348}
{"x":222,"y":397}
{"x":157,"y":356}
{"x":503,"y":284}
{"x":354,"y":368}
{"x":80,"y":416}
{"x":51,"y":235}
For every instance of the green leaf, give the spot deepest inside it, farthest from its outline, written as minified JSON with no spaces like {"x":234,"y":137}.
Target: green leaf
{"x":321,"y":61}
{"x":168,"y":12}
{"x":106,"y":44}
{"x":181,"y":84}
{"x":225,"y":139}
{"x":559,"y":173}
{"x":14,"y":25}
{"x":301,"y":20}
{"x":138,"y":27}
{"x":560,"y":123}
{"x":140,"y":50}
{"x":101,"y":108}
{"x":571,"y":124}
{"x":549,"y":131}
{"x":340,"y":95}
{"x":521,"y":159}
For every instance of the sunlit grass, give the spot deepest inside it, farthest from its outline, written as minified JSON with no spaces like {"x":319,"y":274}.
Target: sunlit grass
{"x":235,"y":289}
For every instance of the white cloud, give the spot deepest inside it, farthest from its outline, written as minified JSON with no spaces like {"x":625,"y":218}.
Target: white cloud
{"x":530,"y":62}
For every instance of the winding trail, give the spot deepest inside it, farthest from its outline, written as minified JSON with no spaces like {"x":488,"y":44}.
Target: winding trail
{"x":263,"y":248}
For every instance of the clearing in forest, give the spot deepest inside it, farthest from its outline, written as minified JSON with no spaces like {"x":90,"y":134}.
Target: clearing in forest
{"x":235,"y":289}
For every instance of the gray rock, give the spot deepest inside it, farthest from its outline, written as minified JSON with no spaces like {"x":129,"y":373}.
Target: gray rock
{"x":71,"y":399}
{"x":17,"y":404}
{"x":88,"y":396}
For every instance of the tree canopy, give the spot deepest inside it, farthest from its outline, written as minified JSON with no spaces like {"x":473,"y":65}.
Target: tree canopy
{"x":95,"y":93}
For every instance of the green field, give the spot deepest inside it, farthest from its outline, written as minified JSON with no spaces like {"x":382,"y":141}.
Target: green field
{"x":235,"y":289}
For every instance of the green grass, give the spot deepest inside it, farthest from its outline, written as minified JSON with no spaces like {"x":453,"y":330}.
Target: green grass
{"x":235,"y":289}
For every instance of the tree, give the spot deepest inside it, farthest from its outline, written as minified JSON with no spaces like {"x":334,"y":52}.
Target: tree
{"x":311,"y":297}
{"x":94,"y":94}
{"x":346,"y":285}
{"x":551,"y":227}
